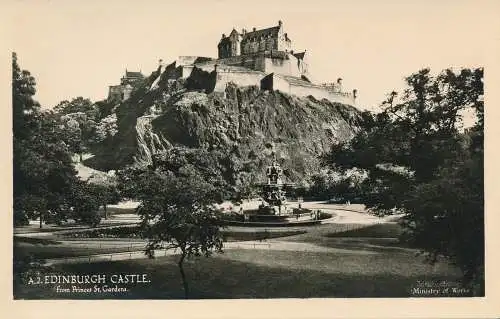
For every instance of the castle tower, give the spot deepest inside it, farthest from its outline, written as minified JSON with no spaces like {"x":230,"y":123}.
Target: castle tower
{"x":230,"y":46}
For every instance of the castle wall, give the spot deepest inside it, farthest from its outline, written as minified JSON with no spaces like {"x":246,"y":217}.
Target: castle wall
{"x":207,"y":67}
{"x":240,"y":78}
{"x":186,"y":60}
{"x":320,"y":93}
{"x":281,"y":84}
{"x":264,"y":63}
{"x":186,"y":71}
{"x":303,"y":89}
{"x":281,"y":66}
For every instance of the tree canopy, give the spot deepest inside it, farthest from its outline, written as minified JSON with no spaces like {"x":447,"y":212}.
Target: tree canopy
{"x":44,"y":179}
{"x":177,"y":194}
{"x":422,"y":162}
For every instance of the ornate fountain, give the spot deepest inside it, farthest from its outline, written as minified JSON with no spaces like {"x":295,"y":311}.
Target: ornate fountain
{"x":273,"y":191}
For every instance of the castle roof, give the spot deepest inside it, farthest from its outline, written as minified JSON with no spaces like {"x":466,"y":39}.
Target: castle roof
{"x":272,"y":31}
{"x":129,"y":74}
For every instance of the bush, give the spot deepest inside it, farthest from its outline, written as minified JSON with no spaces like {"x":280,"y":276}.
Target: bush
{"x":115,"y":232}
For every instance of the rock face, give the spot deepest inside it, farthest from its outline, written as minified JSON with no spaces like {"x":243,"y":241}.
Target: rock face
{"x":245,"y":123}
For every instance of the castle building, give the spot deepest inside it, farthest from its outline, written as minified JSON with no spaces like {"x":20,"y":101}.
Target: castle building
{"x":263,"y":58}
{"x":121,"y":92}
{"x":270,"y":39}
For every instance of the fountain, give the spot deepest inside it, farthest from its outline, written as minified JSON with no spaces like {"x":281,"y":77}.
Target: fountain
{"x":273,"y":191}
{"x":274,"y":211}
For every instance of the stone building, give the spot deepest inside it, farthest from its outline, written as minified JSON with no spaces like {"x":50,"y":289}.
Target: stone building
{"x":121,"y":92}
{"x":264,"y":40}
{"x":263,"y":58}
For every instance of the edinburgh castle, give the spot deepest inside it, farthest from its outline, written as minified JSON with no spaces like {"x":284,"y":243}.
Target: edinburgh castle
{"x":263,"y":58}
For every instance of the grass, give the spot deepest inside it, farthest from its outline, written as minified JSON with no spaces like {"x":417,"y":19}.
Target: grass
{"x":35,"y":241}
{"x":370,"y":263}
{"x":263,"y":274}
{"x":387,"y":230}
{"x":59,"y":251}
{"x":230,"y":235}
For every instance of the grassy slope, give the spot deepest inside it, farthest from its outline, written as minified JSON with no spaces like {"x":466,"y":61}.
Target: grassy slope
{"x":367,"y":267}
{"x":265,"y":274}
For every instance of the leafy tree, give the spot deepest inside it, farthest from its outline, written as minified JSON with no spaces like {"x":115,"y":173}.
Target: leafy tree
{"x":45,"y":182}
{"x":105,"y":129}
{"x":177,"y":205}
{"x":105,"y":188}
{"x":77,"y":105}
{"x":42,"y":169}
{"x":79,"y":116}
{"x":85,"y":203}
{"x":421,"y":163}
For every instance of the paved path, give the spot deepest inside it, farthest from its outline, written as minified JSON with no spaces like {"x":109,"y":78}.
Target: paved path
{"x":354,"y":216}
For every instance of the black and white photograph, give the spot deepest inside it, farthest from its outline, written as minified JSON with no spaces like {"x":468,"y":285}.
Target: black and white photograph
{"x":200,"y":150}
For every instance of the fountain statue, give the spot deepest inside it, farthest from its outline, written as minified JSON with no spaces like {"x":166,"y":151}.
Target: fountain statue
{"x":273,"y":192}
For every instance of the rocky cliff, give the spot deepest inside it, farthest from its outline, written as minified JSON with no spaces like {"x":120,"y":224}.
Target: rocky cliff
{"x":246,"y":124}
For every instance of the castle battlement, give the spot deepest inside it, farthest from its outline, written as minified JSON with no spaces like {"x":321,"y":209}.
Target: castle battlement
{"x":261,"y":58}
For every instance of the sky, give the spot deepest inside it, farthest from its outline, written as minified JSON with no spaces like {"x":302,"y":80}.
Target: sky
{"x":79,"y":48}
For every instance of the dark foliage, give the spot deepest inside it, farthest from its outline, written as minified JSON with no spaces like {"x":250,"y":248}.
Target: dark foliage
{"x":420,"y":162}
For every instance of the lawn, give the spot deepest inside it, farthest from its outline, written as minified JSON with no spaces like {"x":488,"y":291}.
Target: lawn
{"x":386,"y":230}
{"x":364,"y":262}
{"x":241,"y":273}
{"x":47,"y":249}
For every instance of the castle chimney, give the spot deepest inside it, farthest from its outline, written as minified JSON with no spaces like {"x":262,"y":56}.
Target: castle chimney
{"x":243,"y":31}
{"x":339,"y":84}
{"x":280,"y":23}
{"x":355,"y":93}
{"x":223,"y":35}
{"x":254,"y":29}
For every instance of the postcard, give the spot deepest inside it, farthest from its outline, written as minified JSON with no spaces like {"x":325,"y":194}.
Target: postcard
{"x":275,"y":154}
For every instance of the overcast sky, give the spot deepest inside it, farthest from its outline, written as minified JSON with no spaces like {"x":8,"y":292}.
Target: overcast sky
{"x":79,"y":48}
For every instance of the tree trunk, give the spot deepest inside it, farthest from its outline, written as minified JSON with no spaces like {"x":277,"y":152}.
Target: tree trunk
{"x":105,"y":211}
{"x":40,"y":219}
{"x":81,"y":157}
{"x":183,"y":276}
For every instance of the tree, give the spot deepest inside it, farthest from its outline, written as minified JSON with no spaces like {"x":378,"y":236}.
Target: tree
{"x":45,"y":182}
{"x":85,"y":203}
{"x":79,"y":116}
{"x":42,"y":169}
{"x":177,"y":206}
{"x":421,"y":163}
{"x":24,"y":108}
{"x":77,"y":105}
{"x":105,"y":188}
{"x":105,"y":129}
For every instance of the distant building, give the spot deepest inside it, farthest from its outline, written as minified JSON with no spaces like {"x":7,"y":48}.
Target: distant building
{"x":263,"y":58}
{"x":121,"y":92}
{"x":270,"y":39}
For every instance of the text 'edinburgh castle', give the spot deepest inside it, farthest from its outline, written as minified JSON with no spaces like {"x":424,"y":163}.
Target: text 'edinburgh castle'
{"x":263,"y":58}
